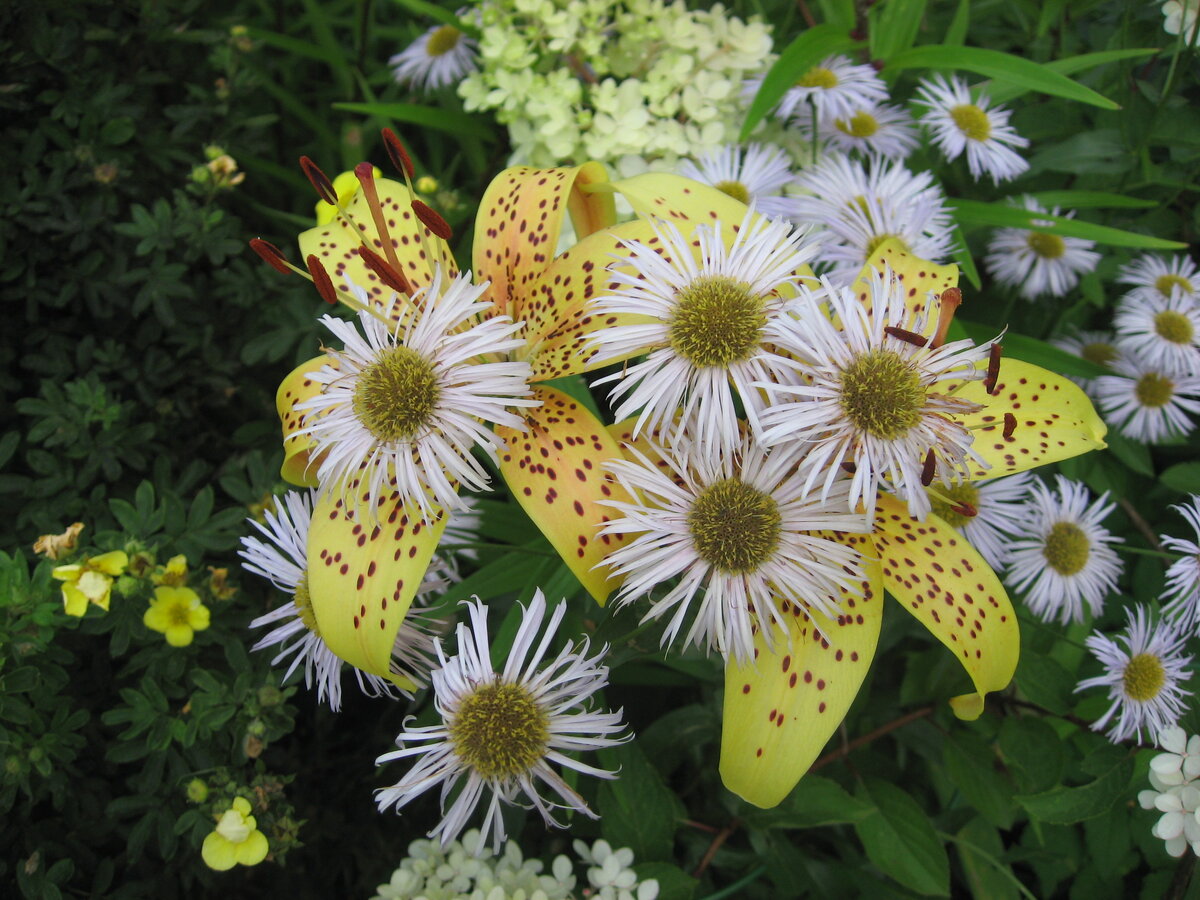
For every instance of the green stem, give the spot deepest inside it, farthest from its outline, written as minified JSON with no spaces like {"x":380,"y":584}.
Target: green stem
{"x":991,"y":860}
{"x":732,"y":890}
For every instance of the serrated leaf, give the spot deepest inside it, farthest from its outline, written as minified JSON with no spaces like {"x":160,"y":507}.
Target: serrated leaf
{"x":971,"y":765}
{"x":1045,"y":682}
{"x":814,"y":802}
{"x":1033,"y":751}
{"x":980,"y":850}
{"x":900,"y":839}
{"x":1068,"y":805}
{"x":637,"y":810}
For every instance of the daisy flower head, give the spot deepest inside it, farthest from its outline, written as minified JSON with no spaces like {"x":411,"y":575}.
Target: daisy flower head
{"x":878,"y":131}
{"x":746,"y":543}
{"x":1182,"y":592}
{"x":867,"y":393}
{"x":988,"y":513}
{"x":441,"y":57}
{"x":1145,"y":677}
{"x":407,"y":398}
{"x":704,"y":310}
{"x":959,"y":123}
{"x":1037,"y":263}
{"x":1097,"y":347}
{"x":859,"y":205}
{"x":1147,"y":403}
{"x":1066,"y":562}
{"x":500,"y":732}
{"x":836,"y":87}
{"x":1162,"y":332}
{"x":755,"y":173}
{"x":282,"y":560}
{"x":1153,"y":276}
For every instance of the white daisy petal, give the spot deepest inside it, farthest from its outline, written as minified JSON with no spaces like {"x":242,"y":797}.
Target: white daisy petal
{"x":439,"y":58}
{"x":755,"y":173}
{"x":1146,"y":403}
{"x":1181,"y":596}
{"x":1162,"y":332}
{"x":1038,"y":263}
{"x":958,"y":123}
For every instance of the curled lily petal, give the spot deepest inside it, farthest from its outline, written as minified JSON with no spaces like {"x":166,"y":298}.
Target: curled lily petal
{"x":919,"y":277}
{"x":942,"y":580}
{"x":781,"y":708}
{"x":554,"y":470}
{"x":298,"y":467}
{"x":363,"y":576}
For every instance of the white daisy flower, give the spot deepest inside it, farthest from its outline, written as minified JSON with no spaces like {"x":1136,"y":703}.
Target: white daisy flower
{"x":738,"y":527}
{"x":860,"y":205}
{"x":282,"y":559}
{"x":1144,"y":678}
{"x":501,"y":731}
{"x":757,"y":173}
{"x":1037,"y":262}
{"x":441,"y":57}
{"x":879,"y":131}
{"x":837,"y":88}
{"x":409,"y":397}
{"x":703,"y":327}
{"x":1146,"y":403}
{"x":988,"y":513}
{"x":1182,"y":591}
{"x":1095,"y":346}
{"x":1067,"y":561}
{"x":863,"y":397}
{"x":958,"y":123}
{"x":1162,"y":332}
{"x":1152,"y":276}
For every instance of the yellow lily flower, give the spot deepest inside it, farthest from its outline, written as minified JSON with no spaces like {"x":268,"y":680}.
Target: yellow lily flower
{"x":177,"y":613}
{"x":780,"y":710}
{"x":90,"y":581}
{"x":236,"y":840}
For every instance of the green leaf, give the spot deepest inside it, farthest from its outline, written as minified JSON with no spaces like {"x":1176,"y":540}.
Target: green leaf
{"x":118,"y":131}
{"x":1045,"y":682}
{"x":974,"y":212}
{"x":447,"y":120}
{"x":893,"y":26}
{"x":637,"y":810}
{"x":1068,"y":805}
{"x":1002,"y":93}
{"x":971,"y":765}
{"x":1099,"y":151}
{"x":901,"y":841}
{"x":1071,"y":199}
{"x":1182,"y":477}
{"x":808,"y":49}
{"x":673,"y":882}
{"x":438,"y":14}
{"x":813,"y":803}
{"x":957,"y":32}
{"x":980,"y":850}
{"x":1001,"y":66}
{"x":839,"y":13}
{"x":1033,"y":751}
{"x":1134,"y":454}
{"x":18,"y":681}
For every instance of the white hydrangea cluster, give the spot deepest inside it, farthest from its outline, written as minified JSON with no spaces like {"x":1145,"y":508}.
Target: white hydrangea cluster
{"x":464,"y":870}
{"x":610,"y":873}
{"x":1173,"y":776}
{"x":627,"y":82}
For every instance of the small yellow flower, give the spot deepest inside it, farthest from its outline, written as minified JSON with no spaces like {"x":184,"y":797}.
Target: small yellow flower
{"x":173,"y":574}
{"x":178,"y":613}
{"x":218,"y":584}
{"x":90,"y":581}
{"x":52,"y":546}
{"x":236,"y":839}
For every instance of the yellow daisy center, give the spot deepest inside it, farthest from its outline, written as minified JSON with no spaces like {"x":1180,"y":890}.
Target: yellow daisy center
{"x":860,"y":125}
{"x":1154,"y":390}
{"x":818,"y":77}
{"x":396,"y":395}
{"x":304,"y":607}
{"x":734,"y":189}
{"x":1066,"y":548}
{"x":443,"y":40}
{"x":960,"y":495}
{"x":882,"y":394}
{"x":1144,"y":677}
{"x":717,"y":321}
{"x":972,"y":121}
{"x":500,"y":730}
{"x":735,"y":527}
{"x":1047,"y":246}
{"x":1166,"y":284}
{"x":1174,"y":327}
{"x":1098,"y":352}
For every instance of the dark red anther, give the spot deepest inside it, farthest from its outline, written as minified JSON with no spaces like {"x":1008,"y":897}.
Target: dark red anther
{"x":271,"y":254}
{"x":849,"y":467}
{"x":1010,"y":425}
{"x":993,"y":372}
{"x":928,"y":469}
{"x":390,"y":276}
{"x":321,"y":279}
{"x":397,"y":153}
{"x":432,"y":220}
{"x":903,"y":334}
{"x":965,"y":509}
{"x":319,"y":180}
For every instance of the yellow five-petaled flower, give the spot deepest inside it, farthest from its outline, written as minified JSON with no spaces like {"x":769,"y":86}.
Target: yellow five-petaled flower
{"x":90,"y":581}
{"x":178,"y":613}
{"x":235,"y":840}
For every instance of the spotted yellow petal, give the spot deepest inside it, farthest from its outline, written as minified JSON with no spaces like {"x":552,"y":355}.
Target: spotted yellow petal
{"x":554,"y":470}
{"x":679,"y":200}
{"x":298,"y":468}
{"x":781,"y":708}
{"x":918,"y":276}
{"x":1054,"y":419}
{"x":336,"y":243}
{"x":362,"y":577}
{"x":935,"y":574}
{"x":517,"y":229}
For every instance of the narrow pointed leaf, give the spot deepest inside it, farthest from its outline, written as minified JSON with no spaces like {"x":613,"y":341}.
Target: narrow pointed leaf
{"x":362,"y":577}
{"x":298,"y":466}
{"x":935,"y":574}
{"x":781,"y":708}
{"x":555,"y":471}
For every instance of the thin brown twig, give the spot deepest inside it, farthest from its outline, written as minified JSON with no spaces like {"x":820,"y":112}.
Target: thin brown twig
{"x":879,"y":732}
{"x":692,"y":823}
{"x":717,"y":842}
{"x":1141,"y":524}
